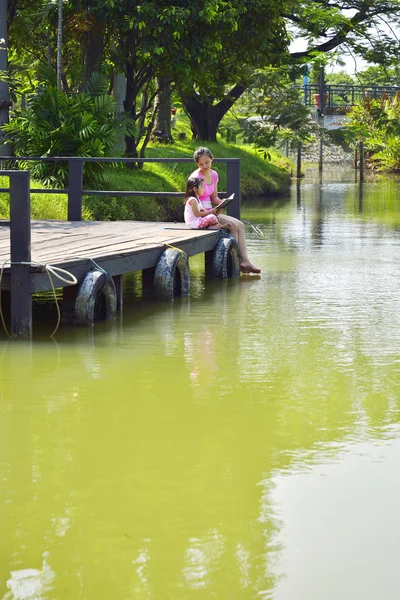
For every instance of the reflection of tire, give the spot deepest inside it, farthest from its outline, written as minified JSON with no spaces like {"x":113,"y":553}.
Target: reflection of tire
{"x":96,"y":299}
{"x":225,"y":264}
{"x":172,"y":275}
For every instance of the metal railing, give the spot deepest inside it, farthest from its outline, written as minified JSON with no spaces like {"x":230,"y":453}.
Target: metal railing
{"x":75,"y":190}
{"x":340,"y":95}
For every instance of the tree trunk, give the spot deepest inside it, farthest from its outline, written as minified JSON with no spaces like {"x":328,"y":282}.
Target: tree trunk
{"x":130,"y":106}
{"x":92,"y":49}
{"x":119,"y":87}
{"x":144,"y":100}
{"x":4,"y":92}
{"x":59,"y":43}
{"x":162,"y":106}
{"x":205,"y":116}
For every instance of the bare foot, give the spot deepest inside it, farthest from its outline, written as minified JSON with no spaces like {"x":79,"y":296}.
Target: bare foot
{"x":248,"y":267}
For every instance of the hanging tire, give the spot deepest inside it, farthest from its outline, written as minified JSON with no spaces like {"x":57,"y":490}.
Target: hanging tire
{"x":225,"y":263}
{"x":172,"y":275}
{"x":96,"y":299}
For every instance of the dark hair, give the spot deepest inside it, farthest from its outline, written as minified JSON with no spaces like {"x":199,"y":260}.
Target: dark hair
{"x":192,"y":184}
{"x":201,"y":151}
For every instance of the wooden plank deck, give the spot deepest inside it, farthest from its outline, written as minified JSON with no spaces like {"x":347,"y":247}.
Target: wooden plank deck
{"x":118,"y":247}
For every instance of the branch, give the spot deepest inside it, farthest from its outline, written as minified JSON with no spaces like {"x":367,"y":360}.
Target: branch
{"x":340,"y":37}
{"x":226,"y":103}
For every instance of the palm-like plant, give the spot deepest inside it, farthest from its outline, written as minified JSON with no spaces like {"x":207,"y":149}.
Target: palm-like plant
{"x":57,"y":124}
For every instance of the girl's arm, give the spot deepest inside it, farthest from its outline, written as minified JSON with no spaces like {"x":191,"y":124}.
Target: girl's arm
{"x":196,"y":209}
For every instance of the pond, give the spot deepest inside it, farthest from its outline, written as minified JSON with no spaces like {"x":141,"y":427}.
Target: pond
{"x":243,"y":443}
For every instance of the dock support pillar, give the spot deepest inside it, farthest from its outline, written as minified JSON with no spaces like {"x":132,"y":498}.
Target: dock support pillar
{"x":119,"y":288}
{"x":148,"y":281}
{"x":233,"y":186}
{"x":68,"y":303}
{"x":208,"y":263}
{"x":20,"y":242}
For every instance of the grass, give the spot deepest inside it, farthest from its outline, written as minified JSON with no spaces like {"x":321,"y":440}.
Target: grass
{"x":259,"y":177}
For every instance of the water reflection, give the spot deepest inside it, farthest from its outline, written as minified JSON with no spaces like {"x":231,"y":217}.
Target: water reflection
{"x":232,"y":444}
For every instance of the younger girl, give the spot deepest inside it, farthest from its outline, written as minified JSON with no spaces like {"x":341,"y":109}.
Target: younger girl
{"x":196,"y":216}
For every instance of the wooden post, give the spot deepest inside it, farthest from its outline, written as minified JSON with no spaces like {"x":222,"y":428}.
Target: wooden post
{"x":20,"y":243}
{"x":148,"y":281}
{"x":321,"y":154}
{"x":208,"y":263}
{"x":233,"y":186}
{"x":119,"y":288}
{"x":322,"y":91}
{"x":361,"y":161}
{"x":75,"y":183}
{"x":298,"y":174}
{"x":68,"y":303}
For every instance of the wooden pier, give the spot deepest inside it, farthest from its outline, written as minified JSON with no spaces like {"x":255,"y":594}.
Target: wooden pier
{"x":118,"y":247}
{"x":28,"y":249}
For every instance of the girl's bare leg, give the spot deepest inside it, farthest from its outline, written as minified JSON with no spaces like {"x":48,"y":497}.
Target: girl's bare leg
{"x":238,"y":232}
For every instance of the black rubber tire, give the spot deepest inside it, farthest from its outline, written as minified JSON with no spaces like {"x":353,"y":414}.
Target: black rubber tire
{"x":225,"y":263}
{"x":96,"y":299}
{"x":172,"y":275}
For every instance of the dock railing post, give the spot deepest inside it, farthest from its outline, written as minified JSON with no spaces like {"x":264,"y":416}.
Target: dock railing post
{"x":233,"y":186}
{"x":75,"y":183}
{"x":20,"y":244}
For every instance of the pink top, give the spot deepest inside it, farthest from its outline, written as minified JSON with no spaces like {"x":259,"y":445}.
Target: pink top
{"x":189,"y":216}
{"x":205,"y":199}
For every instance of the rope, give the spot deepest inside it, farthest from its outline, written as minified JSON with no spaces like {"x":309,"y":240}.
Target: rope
{"x":93,"y":263}
{"x":174,"y":248}
{"x":50,"y":270}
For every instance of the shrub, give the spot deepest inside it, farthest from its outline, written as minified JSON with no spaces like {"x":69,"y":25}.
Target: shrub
{"x":57,"y":124}
{"x":377,"y":124}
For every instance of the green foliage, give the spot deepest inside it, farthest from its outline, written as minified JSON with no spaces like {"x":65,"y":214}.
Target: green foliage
{"x":380,"y":75}
{"x":57,"y":124}
{"x":340,"y":78}
{"x":43,"y":206}
{"x":377,"y":124}
{"x":280,"y":111}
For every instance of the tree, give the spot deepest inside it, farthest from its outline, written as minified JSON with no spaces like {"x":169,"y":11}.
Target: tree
{"x":59,"y":124}
{"x":380,"y":75}
{"x":325,"y":24}
{"x":59,"y":42}
{"x":255,"y":36}
{"x":162,"y":107}
{"x":362,"y":26}
{"x":281,"y":113}
{"x":377,"y":124}
{"x":4,"y":95}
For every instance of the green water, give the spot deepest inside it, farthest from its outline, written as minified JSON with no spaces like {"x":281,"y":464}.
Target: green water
{"x":242,"y":444}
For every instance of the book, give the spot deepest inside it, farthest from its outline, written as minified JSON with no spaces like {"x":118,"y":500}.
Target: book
{"x":225,"y":202}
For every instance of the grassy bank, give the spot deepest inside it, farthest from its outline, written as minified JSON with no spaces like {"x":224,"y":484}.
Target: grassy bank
{"x":258,"y":178}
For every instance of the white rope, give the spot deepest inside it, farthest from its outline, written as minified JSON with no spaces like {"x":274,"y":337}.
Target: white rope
{"x":50,"y":270}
